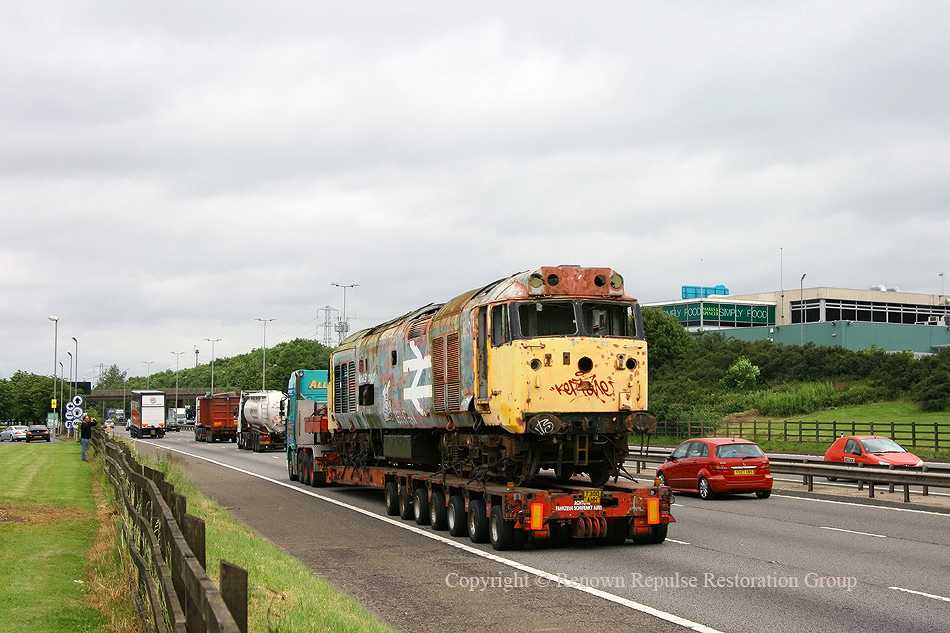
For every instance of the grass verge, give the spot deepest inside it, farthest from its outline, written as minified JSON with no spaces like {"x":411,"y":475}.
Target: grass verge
{"x":283,"y":594}
{"x":60,"y":561}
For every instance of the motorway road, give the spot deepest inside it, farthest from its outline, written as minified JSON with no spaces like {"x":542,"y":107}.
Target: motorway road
{"x":788,"y":563}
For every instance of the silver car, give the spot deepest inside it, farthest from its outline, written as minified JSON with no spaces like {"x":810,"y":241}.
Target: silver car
{"x":15,"y":433}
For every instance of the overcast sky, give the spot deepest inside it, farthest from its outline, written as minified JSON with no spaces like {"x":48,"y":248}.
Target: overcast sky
{"x":171,"y":170}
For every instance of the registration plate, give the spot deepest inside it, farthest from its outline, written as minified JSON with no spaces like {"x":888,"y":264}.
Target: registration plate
{"x":746,"y":471}
{"x":592,"y":497}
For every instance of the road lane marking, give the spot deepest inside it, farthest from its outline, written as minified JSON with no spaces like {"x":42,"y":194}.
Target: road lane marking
{"x":539,"y":573}
{"x":921,"y":593}
{"x":858,"y":505}
{"x":822,"y":527}
{"x":677,"y":542}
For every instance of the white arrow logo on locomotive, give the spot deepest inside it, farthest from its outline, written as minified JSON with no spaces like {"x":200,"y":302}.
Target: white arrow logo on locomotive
{"x":417,"y":390}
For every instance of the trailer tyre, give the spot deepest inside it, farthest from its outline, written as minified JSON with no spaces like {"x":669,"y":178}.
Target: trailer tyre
{"x":438,"y":516}
{"x":502,"y":533}
{"x":306,"y":469}
{"x":391,"y":498}
{"x":406,"y":509}
{"x":616,"y":531}
{"x":477,"y":521}
{"x":420,"y":505}
{"x":456,"y":520}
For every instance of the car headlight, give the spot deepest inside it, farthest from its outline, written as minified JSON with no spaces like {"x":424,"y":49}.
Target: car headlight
{"x":881,"y":462}
{"x":919,"y":463}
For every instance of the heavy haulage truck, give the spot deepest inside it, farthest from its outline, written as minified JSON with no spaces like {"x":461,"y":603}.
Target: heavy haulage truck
{"x":503,"y":413}
{"x":148,"y":414}
{"x":261,"y":420}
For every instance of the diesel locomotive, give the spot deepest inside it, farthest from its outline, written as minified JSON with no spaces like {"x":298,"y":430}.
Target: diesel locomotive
{"x":544,"y":369}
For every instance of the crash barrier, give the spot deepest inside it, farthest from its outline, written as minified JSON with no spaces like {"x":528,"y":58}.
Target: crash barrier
{"x":862,"y":474}
{"x":167,"y":546}
{"x":935,"y":435}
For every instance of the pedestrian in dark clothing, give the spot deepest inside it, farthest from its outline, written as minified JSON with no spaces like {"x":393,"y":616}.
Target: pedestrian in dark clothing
{"x":85,"y":434}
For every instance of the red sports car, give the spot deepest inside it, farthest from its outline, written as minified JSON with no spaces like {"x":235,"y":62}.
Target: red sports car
{"x":871,"y":449}
{"x":716,"y":465}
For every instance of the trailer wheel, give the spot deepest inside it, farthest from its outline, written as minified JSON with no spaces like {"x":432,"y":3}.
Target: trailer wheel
{"x":420,"y":505}
{"x":455,"y":516}
{"x":391,"y":498}
{"x":406,"y":509}
{"x":477,"y":521}
{"x":438,"y":516}
{"x":291,"y":474}
{"x":502,"y":533}
{"x":616,"y":531}
{"x":560,"y":534}
{"x":319,"y":478}
{"x":655,"y":536}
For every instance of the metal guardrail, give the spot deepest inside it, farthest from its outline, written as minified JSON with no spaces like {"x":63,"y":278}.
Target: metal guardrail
{"x":808,"y":469}
{"x":173,"y":593}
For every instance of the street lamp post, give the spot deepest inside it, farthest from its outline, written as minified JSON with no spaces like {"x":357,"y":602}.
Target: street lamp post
{"x":70,"y":354}
{"x":177,"y":356}
{"x":344,"y":326}
{"x":59,"y":408}
{"x":55,"y":320}
{"x":801,"y":301}
{"x":76,"y":387}
{"x":264,"y":353}
{"x":212,"y":341}
{"x":148,"y":373}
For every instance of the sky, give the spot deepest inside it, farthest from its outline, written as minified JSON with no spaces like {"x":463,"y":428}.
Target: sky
{"x":172,"y":171}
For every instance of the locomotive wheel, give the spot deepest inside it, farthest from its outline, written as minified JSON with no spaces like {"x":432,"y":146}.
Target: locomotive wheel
{"x":406,"y":510}
{"x":420,"y":506}
{"x":438,"y":514}
{"x":477,"y":521}
{"x":456,"y":519}
{"x":599,"y":474}
{"x":391,"y":498}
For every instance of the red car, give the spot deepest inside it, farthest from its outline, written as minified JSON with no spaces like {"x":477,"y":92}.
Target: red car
{"x":871,"y":449}
{"x":717,"y":465}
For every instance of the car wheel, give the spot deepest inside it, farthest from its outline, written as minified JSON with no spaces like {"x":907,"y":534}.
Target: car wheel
{"x":832,"y":479}
{"x":662,"y":479}
{"x":705,"y":490}
{"x":763,"y":494}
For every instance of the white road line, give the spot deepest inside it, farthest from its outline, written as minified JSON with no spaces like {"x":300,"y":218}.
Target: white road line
{"x":921,"y":593}
{"x":852,"y":532}
{"x":557,"y":581}
{"x":677,"y":542}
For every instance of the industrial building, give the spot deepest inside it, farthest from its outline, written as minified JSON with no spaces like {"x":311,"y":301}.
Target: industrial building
{"x":854,"y":319}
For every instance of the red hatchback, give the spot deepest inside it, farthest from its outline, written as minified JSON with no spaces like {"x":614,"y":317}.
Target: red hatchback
{"x":714,"y":465}
{"x":873,"y":450}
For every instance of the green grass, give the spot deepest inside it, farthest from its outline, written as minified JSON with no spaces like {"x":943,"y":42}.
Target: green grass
{"x":283,"y":594}
{"x":48,"y":529}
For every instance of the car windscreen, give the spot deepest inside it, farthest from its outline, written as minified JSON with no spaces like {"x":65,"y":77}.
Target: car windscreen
{"x":882,"y":445}
{"x":727,"y":451}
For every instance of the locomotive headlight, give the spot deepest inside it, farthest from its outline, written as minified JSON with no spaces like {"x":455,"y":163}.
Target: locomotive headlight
{"x":616,"y":281}
{"x":535,"y":364}
{"x":631,"y":363}
{"x":584,"y":365}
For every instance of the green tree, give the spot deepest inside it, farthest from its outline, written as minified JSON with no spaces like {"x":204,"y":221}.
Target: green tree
{"x":742,"y":374}
{"x":111,"y":378}
{"x":667,"y":339}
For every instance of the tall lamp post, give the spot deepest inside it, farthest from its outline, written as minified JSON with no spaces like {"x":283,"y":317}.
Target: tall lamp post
{"x":76,"y":358}
{"x":60,"y":408}
{"x":344,"y":327}
{"x":212,"y":341}
{"x":177,"y":356}
{"x":801,"y":301}
{"x":148,"y":373}
{"x":70,"y":354}
{"x":55,"y":320}
{"x":264,"y":353}
{"x":195,"y":411}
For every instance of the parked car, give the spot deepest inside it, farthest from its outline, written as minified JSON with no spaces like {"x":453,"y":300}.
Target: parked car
{"x":874,"y":450}
{"x":717,"y":465}
{"x":37,"y":432}
{"x":13,"y":433}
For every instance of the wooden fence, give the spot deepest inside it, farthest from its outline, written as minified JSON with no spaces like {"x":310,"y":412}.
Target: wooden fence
{"x":935,"y":436}
{"x":173,"y":593}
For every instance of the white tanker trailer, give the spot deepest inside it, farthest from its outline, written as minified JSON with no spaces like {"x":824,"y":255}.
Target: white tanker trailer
{"x":262,"y":421}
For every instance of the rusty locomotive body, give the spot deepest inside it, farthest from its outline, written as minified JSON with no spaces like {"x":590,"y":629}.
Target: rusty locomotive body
{"x":545,"y":369}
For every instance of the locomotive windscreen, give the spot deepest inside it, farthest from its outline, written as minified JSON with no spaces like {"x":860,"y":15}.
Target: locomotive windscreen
{"x":560,"y":318}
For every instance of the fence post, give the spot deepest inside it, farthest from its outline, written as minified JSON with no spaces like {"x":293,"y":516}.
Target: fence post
{"x":234,"y":592}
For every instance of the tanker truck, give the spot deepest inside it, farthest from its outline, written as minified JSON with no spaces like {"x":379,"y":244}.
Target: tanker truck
{"x":262,"y":421}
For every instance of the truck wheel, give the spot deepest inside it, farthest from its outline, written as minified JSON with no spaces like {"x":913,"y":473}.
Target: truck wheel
{"x":502,"y":532}
{"x":391,"y":498}
{"x":438,"y":516}
{"x":616,"y":531}
{"x":420,"y":505}
{"x":477,"y":521}
{"x":659,"y":533}
{"x":406,"y":510}
{"x":455,"y":516}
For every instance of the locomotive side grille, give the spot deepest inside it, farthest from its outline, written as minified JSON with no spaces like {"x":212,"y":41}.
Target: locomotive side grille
{"x":438,"y":374}
{"x":418,"y":328}
{"x":344,"y":388}
{"x":453,"y":387}
{"x":446,"y":382}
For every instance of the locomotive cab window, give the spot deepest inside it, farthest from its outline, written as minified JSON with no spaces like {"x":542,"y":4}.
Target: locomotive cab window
{"x":500,"y":333}
{"x":606,"y":319}
{"x":547,"y":318}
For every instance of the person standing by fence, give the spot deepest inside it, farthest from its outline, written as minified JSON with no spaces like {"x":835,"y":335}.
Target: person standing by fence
{"x":85,"y":433}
